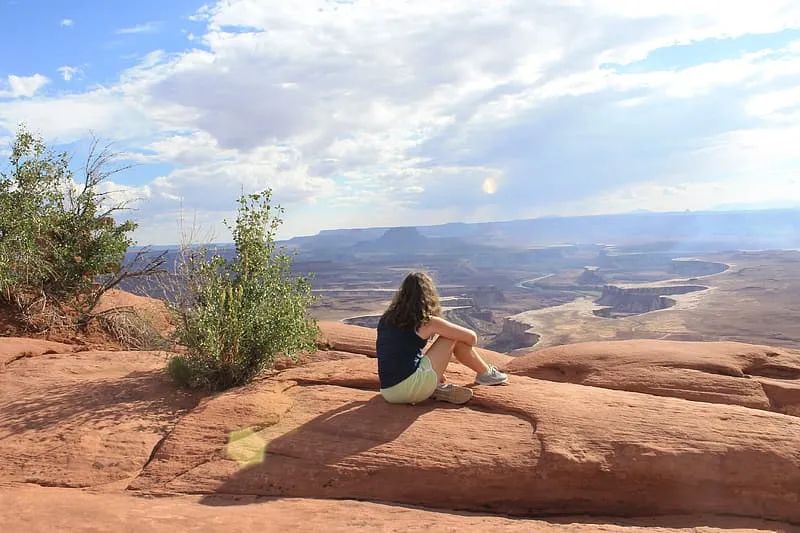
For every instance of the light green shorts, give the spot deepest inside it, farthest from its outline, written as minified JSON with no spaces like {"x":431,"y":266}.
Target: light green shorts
{"x":415,"y":388}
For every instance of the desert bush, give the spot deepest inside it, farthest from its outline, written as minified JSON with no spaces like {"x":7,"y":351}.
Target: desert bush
{"x":133,"y":329}
{"x":235,"y":316}
{"x":60,"y":246}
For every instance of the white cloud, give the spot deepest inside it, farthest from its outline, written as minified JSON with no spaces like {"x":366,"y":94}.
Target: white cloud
{"x":201,"y":14}
{"x":359,"y":113}
{"x":67,"y":23}
{"x":110,"y":113}
{"x":117,"y":194}
{"x":777,"y":105}
{"x":67,"y":72}
{"x":24,"y":86}
{"x":693,"y":196}
{"x":146,"y":27}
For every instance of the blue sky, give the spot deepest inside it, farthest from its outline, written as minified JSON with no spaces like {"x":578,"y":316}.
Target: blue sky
{"x":709,"y":50}
{"x":99,"y":38}
{"x":384,"y":113}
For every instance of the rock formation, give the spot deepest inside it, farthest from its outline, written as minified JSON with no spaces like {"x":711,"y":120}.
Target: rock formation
{"x":409,"y":241}
{"x":555,"y":455}
{"x":532,"y":448}
{"x":487,"y":296}
{"x":590,"y":276}
{"x":623,"y":301}
{"x":347,"y":338}
{"x":15,"y":348}
{"x":514,"y":335}
{"x":759,"y":377}
{"x":38,"y":508}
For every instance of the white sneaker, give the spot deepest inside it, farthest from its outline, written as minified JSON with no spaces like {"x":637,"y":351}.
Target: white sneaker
{"x":447,"y":392}
{"x":491,"y":377}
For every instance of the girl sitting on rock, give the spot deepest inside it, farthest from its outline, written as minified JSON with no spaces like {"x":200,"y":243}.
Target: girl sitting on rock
{"x":406,"y":374}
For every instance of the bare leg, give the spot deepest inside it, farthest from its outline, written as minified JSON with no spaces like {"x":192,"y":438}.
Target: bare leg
{"x":440,"y":353}
{"x":443,"y":349}
{"x":469,"y":357}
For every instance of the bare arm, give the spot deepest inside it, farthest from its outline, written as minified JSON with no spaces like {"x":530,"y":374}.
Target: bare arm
{"x":444,"y":328}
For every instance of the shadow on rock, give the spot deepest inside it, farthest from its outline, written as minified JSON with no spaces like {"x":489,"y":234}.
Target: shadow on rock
{"x":315,"y":457}
{"x":138,"y":394}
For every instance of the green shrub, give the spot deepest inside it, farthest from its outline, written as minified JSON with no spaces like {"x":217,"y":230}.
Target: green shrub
{"x":60,"y":247}
{"x":236,"y":316}
{"x":179,"y":367}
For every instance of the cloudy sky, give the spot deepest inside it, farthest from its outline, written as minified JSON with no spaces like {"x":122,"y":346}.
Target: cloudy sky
{"x":364,"y":113}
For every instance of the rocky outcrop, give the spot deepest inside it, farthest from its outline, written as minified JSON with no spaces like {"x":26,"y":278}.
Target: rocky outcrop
{"x":487,"y":296}
{"x":590,"y":276}
{"x":395,"y":240}
{"x":84,"y":419}
{"x":409,"y":241}
{"x":41,"y":509}
{"x":531,"y":448}
{"x":120,"y":320}
{"x":514,"y":335}
{"x":347,"y":338}
{"x":153,"y":310}
{"x":621,"y":301}
{"x":485,"y":315}
{"x":759,"y":377}
{"x":317,"y":430}
{"x":15,"y":348}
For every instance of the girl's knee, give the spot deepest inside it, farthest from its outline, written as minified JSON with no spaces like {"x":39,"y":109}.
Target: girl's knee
{"x":461,"y":347}
{"x":444,"y":343}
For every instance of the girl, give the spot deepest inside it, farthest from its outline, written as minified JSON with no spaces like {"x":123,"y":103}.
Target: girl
{"x":408,"y":376}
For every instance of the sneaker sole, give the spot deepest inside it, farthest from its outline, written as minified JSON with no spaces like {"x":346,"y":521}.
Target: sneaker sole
{"x":454,"y":394}
{"x":504,"y":382}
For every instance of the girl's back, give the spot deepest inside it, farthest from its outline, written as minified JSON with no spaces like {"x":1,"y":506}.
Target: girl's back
{"x":399,"y":352}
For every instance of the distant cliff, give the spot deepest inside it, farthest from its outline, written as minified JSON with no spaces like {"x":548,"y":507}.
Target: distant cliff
{"x":590,"y":276}
{"x":408,"y":240}
{"x":487,"y":296}
{"x":514,"y":335}
{"x":621,"y":301}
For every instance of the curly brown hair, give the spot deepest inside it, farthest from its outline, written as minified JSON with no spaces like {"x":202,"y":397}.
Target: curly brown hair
{"x":415,"y":303}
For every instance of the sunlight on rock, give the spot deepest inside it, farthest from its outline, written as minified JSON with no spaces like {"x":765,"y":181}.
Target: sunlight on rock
{"x":246,"y":447}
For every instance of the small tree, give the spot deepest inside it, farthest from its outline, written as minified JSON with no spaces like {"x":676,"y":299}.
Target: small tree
{"x":60,"y":246}
{"x":29,"y":198}
{"x":235,"y":316}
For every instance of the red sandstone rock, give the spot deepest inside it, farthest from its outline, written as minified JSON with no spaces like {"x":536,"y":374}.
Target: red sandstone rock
{"x":318,"y":356}
{"x":784,"y":395}
{"x":347,"y":338}
{"x":151,"y":309}
{"x":497,"y":359}
{"x":530,"y":448}
{"x":320,"y":430}
{"x":14,"y":348}
{"x":31,"y":509}
{"x":86,"y":418}
{"x":759,"y":377}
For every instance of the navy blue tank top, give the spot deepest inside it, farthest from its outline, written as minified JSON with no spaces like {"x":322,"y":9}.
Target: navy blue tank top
{"x":399,"y":352}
